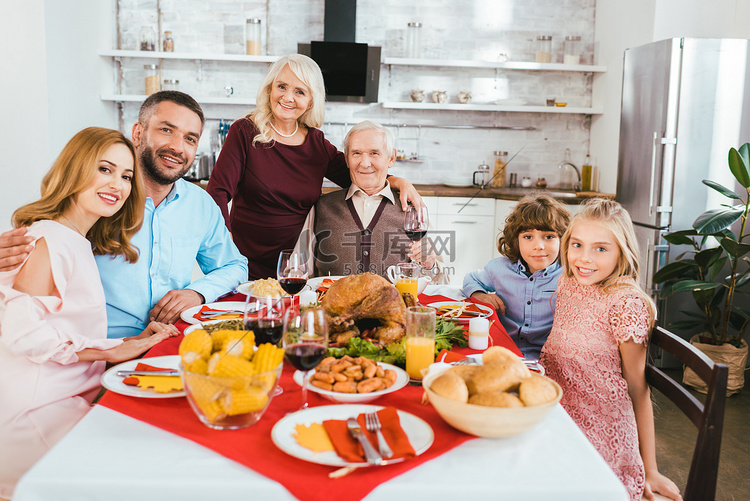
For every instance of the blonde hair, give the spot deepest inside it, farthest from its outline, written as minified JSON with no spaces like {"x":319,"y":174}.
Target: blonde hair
{"x":535,"y":211}
{"x":612,"y":216}
{"x":71,"y":173}
{"x":306,"y":70}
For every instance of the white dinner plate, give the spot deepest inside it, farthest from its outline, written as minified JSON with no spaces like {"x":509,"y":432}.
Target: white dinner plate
{"x":113,"y":382}
{"x":420,"y":433}
{"x":402,"y":379}
{"x":487,"y":311}
{"x":191,"y":328}
{"x":188,"y":317}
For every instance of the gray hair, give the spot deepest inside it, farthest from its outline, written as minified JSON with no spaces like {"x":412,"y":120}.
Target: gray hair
{"x":368,"y":125}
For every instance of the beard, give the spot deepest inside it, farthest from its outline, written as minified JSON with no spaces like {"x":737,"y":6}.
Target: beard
{"x":149,"y":162}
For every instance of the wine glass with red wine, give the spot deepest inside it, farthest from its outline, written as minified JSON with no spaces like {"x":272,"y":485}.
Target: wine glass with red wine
{"x":305,"y":341}
{"x":416,"y":222}
{"x":266,"y":319}
{"x":291,"y":271}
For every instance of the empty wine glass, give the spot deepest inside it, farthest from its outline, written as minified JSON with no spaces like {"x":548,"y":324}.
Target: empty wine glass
{"x":291,"y":271}
{"x":305,"y":341}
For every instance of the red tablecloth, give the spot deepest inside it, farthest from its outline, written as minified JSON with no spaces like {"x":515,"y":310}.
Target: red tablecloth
{"x":253,"y":447}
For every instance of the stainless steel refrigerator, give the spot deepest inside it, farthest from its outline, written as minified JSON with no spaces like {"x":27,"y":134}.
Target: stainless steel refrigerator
{"x":685,"y":102}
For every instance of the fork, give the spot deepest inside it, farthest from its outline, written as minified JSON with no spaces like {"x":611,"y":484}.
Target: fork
{"x":372,"y":423}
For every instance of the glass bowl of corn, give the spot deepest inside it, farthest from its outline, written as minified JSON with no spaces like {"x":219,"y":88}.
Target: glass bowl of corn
{"x":229,"y":381}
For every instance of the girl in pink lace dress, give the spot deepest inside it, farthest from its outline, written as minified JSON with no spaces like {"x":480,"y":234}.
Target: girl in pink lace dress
{"x":597,"y":348}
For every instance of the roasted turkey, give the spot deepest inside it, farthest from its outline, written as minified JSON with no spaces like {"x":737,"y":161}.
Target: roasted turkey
{"x":364,"y":304}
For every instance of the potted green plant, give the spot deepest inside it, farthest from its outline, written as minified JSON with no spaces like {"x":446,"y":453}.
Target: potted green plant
{"x":702,"y":272}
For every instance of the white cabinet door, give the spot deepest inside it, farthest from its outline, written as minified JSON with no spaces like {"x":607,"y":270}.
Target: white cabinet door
{"x":463,"y":235}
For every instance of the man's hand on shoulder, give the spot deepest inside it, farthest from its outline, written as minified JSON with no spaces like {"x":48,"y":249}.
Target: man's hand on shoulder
{"x":168,"y":309}
{"x":14,"y":248}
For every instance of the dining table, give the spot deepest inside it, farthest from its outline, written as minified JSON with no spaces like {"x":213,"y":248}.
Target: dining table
{"x":129,"y":448}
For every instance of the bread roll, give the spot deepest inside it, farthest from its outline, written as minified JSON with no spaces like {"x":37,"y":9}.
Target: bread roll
{"x":450,"y":386}
{"x":536,"y":391}
{"x":498,"y":377}
{"x":496,"y":399}
{"x":498,"y":354}
{"x":464,"y":371}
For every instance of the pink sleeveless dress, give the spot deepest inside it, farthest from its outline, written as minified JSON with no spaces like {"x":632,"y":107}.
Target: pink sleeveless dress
{"x":582,"y":355}
{"x":45,"y":389}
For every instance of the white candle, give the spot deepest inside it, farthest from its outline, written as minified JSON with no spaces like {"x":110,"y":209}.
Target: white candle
{"x":479,"y":333}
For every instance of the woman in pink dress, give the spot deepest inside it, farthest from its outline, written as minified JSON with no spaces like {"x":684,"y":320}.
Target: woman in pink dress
{"x":53,"y":334}
{"x":596,"y":350}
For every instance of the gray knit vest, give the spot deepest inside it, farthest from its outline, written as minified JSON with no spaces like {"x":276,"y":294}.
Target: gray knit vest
{"x":344,"y":247}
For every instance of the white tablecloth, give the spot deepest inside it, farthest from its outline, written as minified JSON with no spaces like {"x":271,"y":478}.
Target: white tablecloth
{"x":112,"y":457}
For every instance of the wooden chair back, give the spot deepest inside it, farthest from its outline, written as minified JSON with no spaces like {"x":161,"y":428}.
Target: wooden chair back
{"x":708,"y":417}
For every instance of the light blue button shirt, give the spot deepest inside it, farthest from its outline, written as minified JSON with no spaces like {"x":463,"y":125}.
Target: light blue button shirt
{"x":186,"y":227}
{"x":529,"y":299}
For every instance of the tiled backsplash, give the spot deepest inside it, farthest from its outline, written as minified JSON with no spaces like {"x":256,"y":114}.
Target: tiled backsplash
{"x":466,"y":29}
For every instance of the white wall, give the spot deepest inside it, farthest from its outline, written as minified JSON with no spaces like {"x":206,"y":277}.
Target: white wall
{"x":24,"y":127}
{"x":49,"y":88}
{"x":620,"y":25}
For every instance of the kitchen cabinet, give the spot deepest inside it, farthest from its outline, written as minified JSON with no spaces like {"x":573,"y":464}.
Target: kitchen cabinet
{"x":462,"y":233}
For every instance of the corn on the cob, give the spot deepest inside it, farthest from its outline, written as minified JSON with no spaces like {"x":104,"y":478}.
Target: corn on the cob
{"x":243,"y":347}
{"x":242,"y":401}
{"x":193,"y":363}
{"x":232,"y":366}
{"x":267,"y":357}
{"x":198,"y":341}
{"x":220,"y":337}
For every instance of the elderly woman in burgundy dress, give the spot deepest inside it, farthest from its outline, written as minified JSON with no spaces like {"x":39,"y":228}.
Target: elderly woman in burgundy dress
{"x":273,"y":162}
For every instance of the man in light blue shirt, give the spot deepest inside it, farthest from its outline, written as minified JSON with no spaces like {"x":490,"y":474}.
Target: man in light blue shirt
{"x":181,"y":225}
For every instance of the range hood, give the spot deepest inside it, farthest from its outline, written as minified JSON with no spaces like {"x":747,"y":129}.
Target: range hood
{"x":351,"y":70}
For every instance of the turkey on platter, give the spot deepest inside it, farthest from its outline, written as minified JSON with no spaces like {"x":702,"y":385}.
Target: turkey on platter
{"x":365,"y":305}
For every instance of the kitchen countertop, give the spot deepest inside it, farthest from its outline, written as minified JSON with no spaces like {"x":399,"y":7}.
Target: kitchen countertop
{"x":440,"y":190}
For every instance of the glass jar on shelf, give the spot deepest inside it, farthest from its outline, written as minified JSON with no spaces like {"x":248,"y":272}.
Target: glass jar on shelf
{"x":252,"y":37}
{"x":170,"y":84}
{"x":543,"y":49}
{"x":572,"y":51}
{"x":168,"y":42}
{"x":147,"y":38}
{"x":413,"y":40}
{"x":152,"y":79}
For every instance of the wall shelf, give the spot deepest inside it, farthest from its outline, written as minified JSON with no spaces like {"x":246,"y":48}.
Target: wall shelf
{"x":491,"y":107}
{"x":508,"y":65}
{"x":139,"y":98}
{"x":191,"y":56}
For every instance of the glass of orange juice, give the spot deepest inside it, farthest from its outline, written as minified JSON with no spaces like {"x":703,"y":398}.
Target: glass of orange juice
{"x":407,"y":275}
{"x":420,"y":340}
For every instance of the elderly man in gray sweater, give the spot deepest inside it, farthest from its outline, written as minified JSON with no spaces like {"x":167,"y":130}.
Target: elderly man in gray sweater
{"x":361,"y":229}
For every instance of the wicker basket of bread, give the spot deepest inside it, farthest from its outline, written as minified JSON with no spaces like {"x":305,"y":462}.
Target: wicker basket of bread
{"x":499,"y":398}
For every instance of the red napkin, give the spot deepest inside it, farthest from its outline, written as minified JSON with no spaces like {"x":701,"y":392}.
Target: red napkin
{"x":227,"y":316}
{"x":349,"y":449}
{"x":133,"y":380}
{"x":449,"y":356}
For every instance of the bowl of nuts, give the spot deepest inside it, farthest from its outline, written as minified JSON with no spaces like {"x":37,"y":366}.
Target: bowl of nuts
{"x":350,"y":380}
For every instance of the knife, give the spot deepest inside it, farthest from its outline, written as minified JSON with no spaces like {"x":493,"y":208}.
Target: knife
{"x":371,"y":454}
{"x":148,"y":373}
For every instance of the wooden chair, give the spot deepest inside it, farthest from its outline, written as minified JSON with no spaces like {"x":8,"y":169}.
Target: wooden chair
{"x":708,"y":417}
